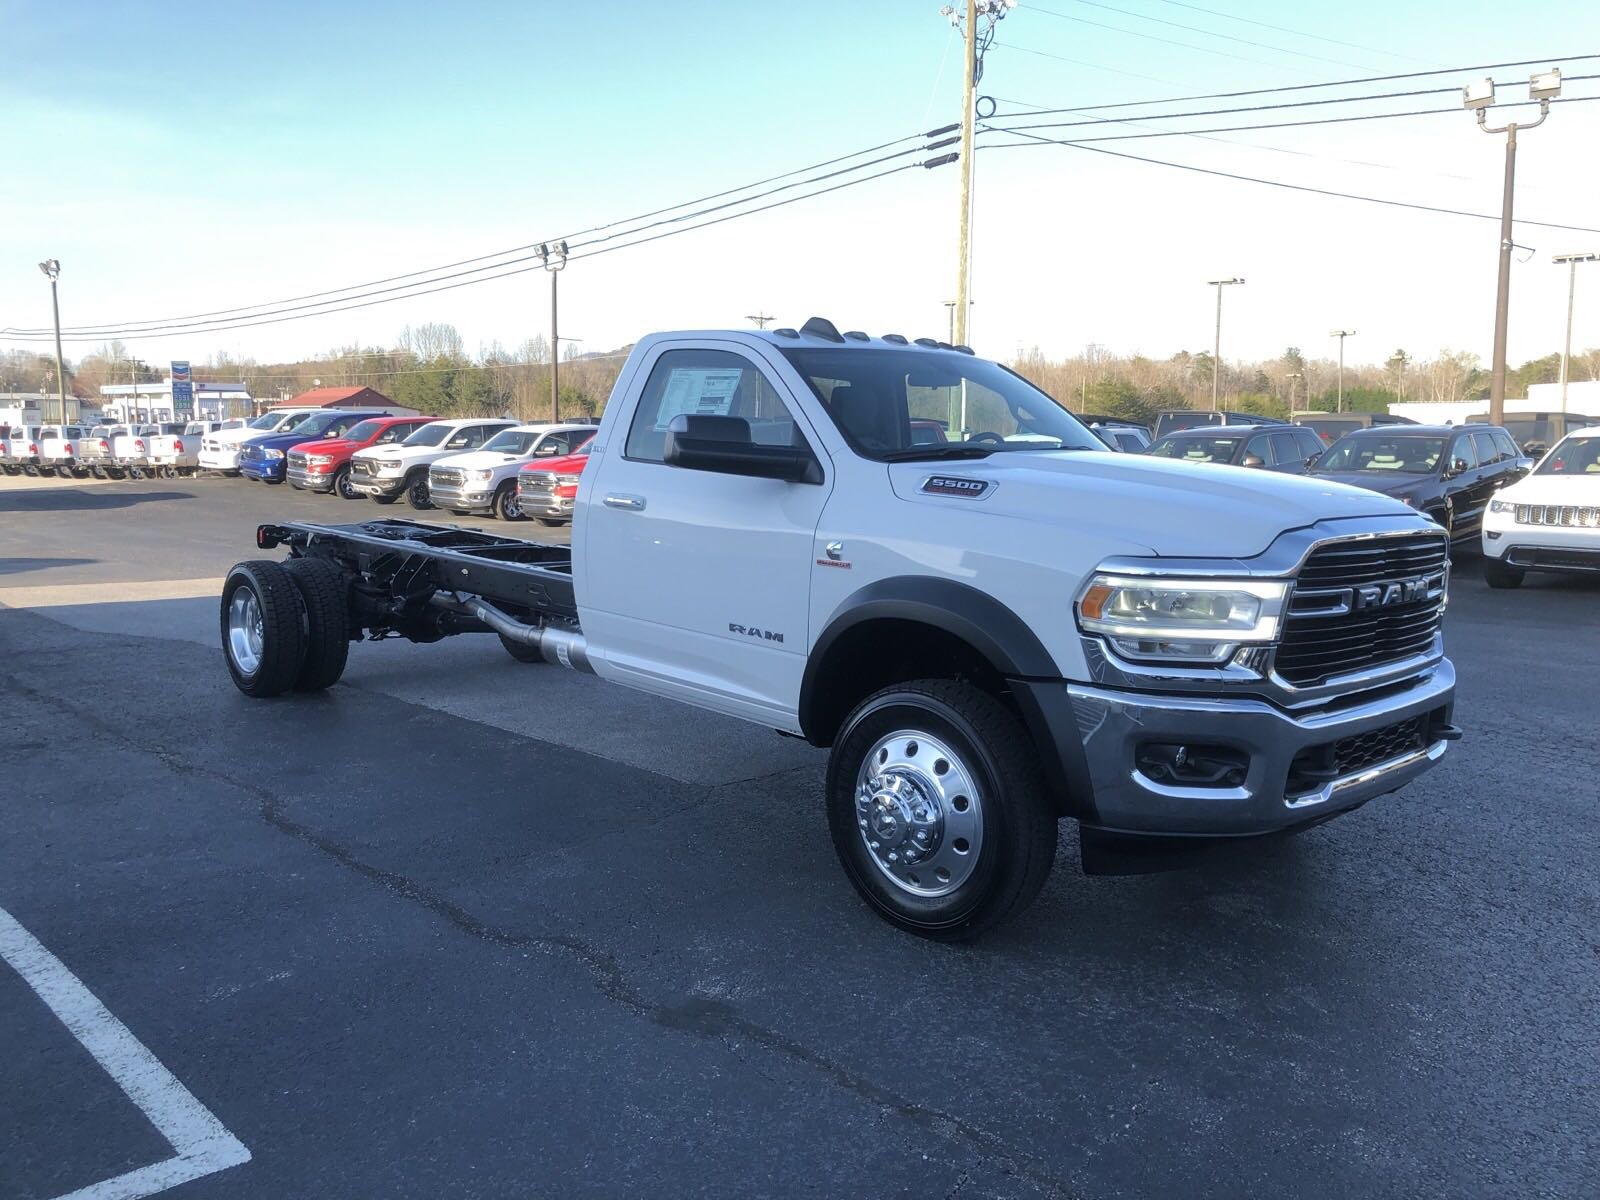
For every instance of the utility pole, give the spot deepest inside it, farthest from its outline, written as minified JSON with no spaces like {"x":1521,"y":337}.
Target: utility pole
{"x":1572,"y":261}
{"x":1543,"y":87}
{"x":1291,"y":377}
{"x":554,"y":258}
{"x":976,"y":39}
{"x":1341,"y":334}
{"x":759,"y":319}
{"x":51,"y":268}
{"x":1216,"y":347}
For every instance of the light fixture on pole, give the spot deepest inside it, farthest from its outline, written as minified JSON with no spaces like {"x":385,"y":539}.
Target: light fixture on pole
{"x":1478,"y":97}
{"x":554,"y":257}
{"x":51,"y":268}
{"x":1216,"y":349}
{"x":1341,"y":334}
{"x":1572,"y":261}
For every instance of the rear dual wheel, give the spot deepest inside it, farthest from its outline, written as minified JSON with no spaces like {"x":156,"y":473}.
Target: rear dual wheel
{"x":285,"y":625}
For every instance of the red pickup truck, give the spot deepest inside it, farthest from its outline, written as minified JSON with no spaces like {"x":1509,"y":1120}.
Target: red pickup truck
{"x":324,"y":465}
{"x":547,"y":488}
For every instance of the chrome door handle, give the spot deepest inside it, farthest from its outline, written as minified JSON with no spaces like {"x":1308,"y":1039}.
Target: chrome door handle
{"x":631,"y":503}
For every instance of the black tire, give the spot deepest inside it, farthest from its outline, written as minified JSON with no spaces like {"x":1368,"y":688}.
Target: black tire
{"x":341,"y":485}
{"x":116,"y":473}
{"x":383,"y":499}
{"x":281,"y":651}
{"x":521,"y":651}
{"x":551,"y":522}
{"x":1018,"y":824}
{"x":1498,"y":575}
{"x":325,"y":593}
{"x":418,"y":495}
{"x":506,"y":505}
{"x":272,"y":482}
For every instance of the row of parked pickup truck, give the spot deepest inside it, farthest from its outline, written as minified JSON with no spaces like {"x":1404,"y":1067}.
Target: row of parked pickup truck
{"x":466,"y":464}
{"x":105,"y":451}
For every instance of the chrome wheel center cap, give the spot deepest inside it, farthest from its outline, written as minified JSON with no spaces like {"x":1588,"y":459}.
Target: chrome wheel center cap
{"x":919,"y":813}
{"x":901,"y":818}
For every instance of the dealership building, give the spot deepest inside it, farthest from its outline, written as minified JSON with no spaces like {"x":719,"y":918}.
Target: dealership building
{"x":153,"y":402}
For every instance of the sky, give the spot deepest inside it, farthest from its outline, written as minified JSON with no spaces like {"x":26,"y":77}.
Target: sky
{"x":180,"y":158}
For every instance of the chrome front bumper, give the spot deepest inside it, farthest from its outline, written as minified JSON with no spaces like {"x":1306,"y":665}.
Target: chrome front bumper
{"x":1274,"y":794}
{"x":537,"y":502}
{"x":319,"y":481}
{"x":468,"y":496}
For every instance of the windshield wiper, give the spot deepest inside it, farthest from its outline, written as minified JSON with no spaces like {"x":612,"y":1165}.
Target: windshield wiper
{"x":929,"y":453}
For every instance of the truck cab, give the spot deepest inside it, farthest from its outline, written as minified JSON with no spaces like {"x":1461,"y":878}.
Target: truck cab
{"x":990,"y":632}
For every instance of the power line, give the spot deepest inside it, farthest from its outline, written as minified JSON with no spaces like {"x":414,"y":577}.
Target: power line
{"x":1227,"y":37}
{"x":499,"y":254}
{"x":1078,"y":62}
{"x":1150,"y":37}
{"x":1211,"y":12}
{"x":1554,"y":59}
{"x":1278,"y":183}
{"x":336,"y":306}
{"x":1127,"y":137}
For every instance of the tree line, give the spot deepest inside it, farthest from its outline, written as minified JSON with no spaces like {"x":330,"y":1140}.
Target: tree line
{"x":430,"y":369}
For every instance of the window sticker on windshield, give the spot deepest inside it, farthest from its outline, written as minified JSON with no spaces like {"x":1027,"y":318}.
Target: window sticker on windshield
{"x":700,"y":391}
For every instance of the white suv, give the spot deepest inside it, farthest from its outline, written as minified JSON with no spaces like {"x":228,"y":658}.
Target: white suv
{"x":219,"y":451}
{"x":486,"y":480}
{"x":385,"y":473}
{"x":1550,"y":520}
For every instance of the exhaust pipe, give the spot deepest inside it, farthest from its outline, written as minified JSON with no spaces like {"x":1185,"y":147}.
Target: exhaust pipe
{"x":561,"y":647}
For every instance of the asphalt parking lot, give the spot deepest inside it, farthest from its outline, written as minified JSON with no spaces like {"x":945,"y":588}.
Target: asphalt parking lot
{"x":468,"y":927}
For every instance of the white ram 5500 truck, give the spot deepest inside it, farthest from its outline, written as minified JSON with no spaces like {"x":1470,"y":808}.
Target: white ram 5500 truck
{"x":991,"y":632}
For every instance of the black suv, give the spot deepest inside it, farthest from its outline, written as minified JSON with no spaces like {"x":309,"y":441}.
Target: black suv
{"x":1170,"y":420}
{"x":1448,"y":473}
{"x":1536,"y":432}
{"x":1330,"y":427}
{"x":1275,"y":447}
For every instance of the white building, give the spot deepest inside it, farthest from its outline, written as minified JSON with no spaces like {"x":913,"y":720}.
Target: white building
{"x":153,"y":401}
{"x":1582,"y":398}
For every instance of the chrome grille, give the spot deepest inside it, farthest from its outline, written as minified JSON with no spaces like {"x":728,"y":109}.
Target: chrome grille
{"x":538,"y":483}
{"x":1572,"y":515}
{"x":448,"y":476}
{"x":1362,"y":604}
{"x":249,"y":454}
{"x":297,"y":460}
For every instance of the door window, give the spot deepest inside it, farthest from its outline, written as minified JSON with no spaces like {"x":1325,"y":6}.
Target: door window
{"x":1260,"y":447}
{"x":707,"y":383}
{"x":1310,"y":444}
{"x":1508,"y":448}
{"x":1488,"y":452}
{"x":1463,"y":450}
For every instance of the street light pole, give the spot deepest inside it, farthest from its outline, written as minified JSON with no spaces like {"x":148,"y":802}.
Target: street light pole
{"x":1341,"y":334}
{"x":1216,"y":348}
{"x":1291,"y":377}
{"x":51,"y":267}
{"x":1572,"y":261}
{"x":1543,"y":87}
{"x":554,"y":258}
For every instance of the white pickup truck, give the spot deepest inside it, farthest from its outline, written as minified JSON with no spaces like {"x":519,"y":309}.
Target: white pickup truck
{"x":485,"y":481}
{"x":385,"y":473}
{"x":19,"y":449}
{"x":991,"y":633}
{"x":219,"y":450}
{"x":58,"y":449}
{"x":176,"y":450}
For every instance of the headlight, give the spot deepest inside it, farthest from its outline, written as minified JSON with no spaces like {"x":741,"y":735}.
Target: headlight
{"x":1501,"y":506}
{"x":389,"y":468}
{"x":1181,"y":620}
{"x":272,"y":454}
{"x":480,"y":476}
{"x":318,"y":460}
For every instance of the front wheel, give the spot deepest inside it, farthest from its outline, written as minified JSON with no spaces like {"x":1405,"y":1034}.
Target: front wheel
{"x":938,"y":810}
{"x":506,"y":505}
{"x":417,"y":494}
{"x":342,"y":486}
{"x":1498,"y":575}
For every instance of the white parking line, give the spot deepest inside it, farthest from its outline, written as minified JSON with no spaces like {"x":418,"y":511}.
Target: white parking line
{"x":201,"y":1143}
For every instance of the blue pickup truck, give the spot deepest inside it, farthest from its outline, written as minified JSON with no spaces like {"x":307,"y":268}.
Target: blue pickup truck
{"x":266,"y":458}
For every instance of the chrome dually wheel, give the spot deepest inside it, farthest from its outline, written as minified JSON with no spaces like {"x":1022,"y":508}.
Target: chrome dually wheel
{"x":244,"y":630}
{"x":920,"y":813}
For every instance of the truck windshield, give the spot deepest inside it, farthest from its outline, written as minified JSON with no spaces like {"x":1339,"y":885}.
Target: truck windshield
{"x":267,"y":421}
{"x":513,"y":441}
{"x":365,"y":431}
{"x":428,"y":435}
{"x":1405,"y":455}
{"x":886,"y":403}
{"x":1575,"y":456}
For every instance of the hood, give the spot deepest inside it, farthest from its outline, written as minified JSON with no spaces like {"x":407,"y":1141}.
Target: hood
{"x":1390,"y":483}
{"x":1170,"y":507}
{"x":565,"y":464}
{"x":478,"y":460}
{"x":327,"y":446}
{"x":394,"y":450}
{"x":1553,"y":489}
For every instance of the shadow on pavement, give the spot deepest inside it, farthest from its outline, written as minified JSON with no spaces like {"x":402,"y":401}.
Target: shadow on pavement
{"x":17,"y":566}
{"x":72,"y":500}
